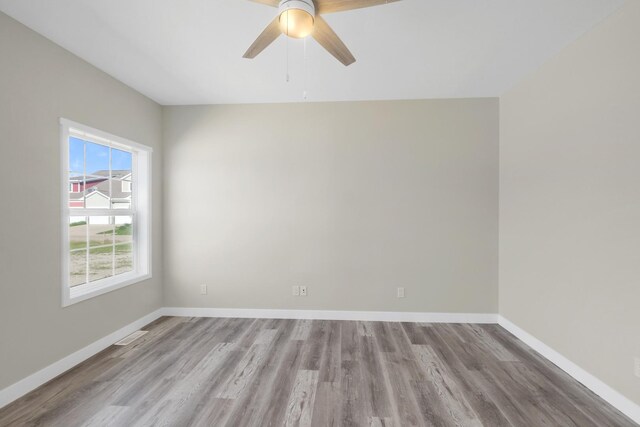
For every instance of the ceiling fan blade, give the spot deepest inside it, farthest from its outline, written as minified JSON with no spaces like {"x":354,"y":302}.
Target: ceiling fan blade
{"x":324,"y":35}
{"x":273,"y":3}
{"x":330,"y":6}
{"x":267,"y":37}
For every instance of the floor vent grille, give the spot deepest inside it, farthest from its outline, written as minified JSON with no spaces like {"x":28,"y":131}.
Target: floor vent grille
{"x":131,"y":338}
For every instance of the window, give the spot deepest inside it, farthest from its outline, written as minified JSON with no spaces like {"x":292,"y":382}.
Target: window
{"x":107,"y":212}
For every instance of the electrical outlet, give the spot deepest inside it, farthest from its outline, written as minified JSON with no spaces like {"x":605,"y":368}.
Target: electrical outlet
{"x":203,"y":289}
{"x":400,"y":292}
{"x":637,"y":367}
{"x":303,"y":291}
{"x":295,"y":291}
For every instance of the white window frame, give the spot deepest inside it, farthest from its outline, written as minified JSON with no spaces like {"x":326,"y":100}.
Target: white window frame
{"x":141,"y":209}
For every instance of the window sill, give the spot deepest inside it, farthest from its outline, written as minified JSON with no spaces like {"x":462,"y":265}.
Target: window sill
{"x":100,"y":287}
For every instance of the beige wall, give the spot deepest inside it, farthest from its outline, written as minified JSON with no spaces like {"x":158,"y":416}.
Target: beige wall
{"x":350,"y":199}
{"x":570,"y":202}
{"x":40,"y":82}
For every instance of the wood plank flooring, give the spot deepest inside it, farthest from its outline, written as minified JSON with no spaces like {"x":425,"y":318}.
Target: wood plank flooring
{"x":247,"y":372}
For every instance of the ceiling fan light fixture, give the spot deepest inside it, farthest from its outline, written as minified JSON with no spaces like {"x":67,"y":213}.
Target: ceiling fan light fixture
{"x":297,"y":18}
{"x":300,"y":18}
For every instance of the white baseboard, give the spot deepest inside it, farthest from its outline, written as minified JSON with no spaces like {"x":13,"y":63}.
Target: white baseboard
{"x":617,"y":400}
{"x":34,"y":381}
{"x":384,"y":316}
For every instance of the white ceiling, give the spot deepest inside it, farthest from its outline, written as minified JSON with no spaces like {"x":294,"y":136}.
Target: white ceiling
{"x":190,"y":51}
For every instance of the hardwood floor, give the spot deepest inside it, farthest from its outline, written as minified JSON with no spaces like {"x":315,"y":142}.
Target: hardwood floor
{"x":246,"y":372}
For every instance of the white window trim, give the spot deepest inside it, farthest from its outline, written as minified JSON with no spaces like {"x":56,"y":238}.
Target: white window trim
{"x":142,"y":229}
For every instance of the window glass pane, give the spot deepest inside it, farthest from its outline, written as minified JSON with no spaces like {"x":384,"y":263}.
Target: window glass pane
{"x":78,"y":267}
{"x":121,"y":188}
{"x":100,"y":231}
{"x":97,"y":176}
{"x":97,"y":159}
{"x":100,"y":247}
{"x":78,"y":251}
{"x":76,"y":154}
{"x":97,"y":194}
{"x":100,"y":262}
{"x":123,"y":229}
{"x":76,"y":173}
{"x":76,"y":198}
{"x":77,"y":232}
{"x":124,"y":244}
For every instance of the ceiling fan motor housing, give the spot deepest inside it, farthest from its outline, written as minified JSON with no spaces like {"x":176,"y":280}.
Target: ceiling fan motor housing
{"x":306,"y":5}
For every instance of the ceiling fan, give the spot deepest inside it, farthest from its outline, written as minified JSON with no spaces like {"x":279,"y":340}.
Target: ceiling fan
{"x":301,"y":18}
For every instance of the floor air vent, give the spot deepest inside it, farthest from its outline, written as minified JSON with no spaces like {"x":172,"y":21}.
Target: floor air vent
{"x":131,"y":338}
